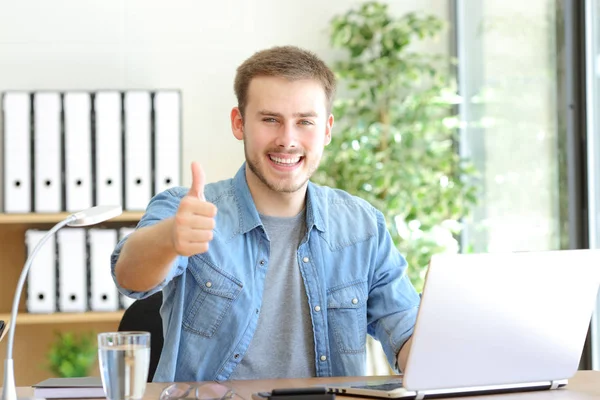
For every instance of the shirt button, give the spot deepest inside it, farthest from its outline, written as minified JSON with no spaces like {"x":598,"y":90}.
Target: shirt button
{"x":354,"y":301}
{"x":262,"y":262}
{"x":236,"y":356}
{"x":305,"y":259}
{"x":323,"y":358}
{"x":209,"y":284}
{"x":317,"y":308}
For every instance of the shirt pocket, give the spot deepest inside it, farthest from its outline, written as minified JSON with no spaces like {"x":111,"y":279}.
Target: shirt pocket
{"x":347,"y":316}
{"x":215,"y":293}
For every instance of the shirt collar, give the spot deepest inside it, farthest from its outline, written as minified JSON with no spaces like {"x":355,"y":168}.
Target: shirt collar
{"x":315,"y":208}
{"x":249,"y":218}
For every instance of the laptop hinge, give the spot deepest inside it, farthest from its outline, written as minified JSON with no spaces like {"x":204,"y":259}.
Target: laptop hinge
{"x":558,"y":383}
{"x":419,"y":396}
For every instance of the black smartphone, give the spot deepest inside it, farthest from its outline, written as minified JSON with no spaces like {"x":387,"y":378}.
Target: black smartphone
{"x":313,"y":393}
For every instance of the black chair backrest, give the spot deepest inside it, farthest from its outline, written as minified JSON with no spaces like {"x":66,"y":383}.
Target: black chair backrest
{"x":144,"y":315}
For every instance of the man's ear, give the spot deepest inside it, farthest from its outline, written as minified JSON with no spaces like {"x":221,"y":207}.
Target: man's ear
{"x":328,"y":129}
{"x":237,"y":123}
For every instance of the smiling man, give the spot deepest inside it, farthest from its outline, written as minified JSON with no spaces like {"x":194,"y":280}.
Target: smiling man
{"x":288,"y":277}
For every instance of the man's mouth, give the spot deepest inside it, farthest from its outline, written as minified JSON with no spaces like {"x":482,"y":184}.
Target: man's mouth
{"x":286,"y":161}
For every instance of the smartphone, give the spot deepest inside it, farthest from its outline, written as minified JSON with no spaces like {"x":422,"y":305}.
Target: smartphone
{"x":313,"y":393}
{"x":267,"y":396}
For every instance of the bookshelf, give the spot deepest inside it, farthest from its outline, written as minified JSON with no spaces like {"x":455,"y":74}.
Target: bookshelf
{"x":6,"y":219}
{"x":63,"y":318}
{"x":35,"y":332}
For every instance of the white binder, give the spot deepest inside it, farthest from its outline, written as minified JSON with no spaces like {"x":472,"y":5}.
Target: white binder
{"x":125,"y":300}
{"x":47,"y":152}
{"x":108,"y":144}
{"x":78,"y":151}
{"x":17,"y":152}
{"x":41,"y":281}
{"x":167,"y":140}
{"x":138,"y":188}
{"x":72,"y":270}
{"x":103,"y":291}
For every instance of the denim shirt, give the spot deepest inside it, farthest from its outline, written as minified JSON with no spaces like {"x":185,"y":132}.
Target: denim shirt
{"x":354,"y":277}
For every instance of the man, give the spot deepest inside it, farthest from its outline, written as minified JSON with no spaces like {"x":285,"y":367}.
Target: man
{"x":288,"y":277}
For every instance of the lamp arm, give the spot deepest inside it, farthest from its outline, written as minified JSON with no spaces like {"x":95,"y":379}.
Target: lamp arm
{"x":9,"y":390}
{"x":23,"y":277}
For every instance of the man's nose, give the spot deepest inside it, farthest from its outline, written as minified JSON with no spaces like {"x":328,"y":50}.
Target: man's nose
{"x":287,"y":136}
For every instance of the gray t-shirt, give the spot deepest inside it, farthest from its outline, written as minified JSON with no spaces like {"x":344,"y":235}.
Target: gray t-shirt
{"x":283,"y":345}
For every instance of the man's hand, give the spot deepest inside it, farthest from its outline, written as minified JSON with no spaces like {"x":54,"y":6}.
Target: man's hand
{"x":195,"y":218}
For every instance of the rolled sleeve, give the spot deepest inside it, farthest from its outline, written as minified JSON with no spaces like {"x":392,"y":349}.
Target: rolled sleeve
{"x":393,"y":301}
{"x":160,"y":207}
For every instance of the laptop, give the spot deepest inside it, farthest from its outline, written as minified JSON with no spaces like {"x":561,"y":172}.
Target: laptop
{"x":495,"y":323}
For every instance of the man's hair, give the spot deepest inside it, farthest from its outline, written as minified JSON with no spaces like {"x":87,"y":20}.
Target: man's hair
{"x":287,"y":62}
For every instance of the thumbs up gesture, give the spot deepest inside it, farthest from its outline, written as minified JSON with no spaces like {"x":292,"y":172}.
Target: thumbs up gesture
{"x":195,"y":218}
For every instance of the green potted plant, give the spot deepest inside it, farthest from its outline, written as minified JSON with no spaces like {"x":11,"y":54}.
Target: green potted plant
{"x":395,"y":137}
{"x":72,"y":355}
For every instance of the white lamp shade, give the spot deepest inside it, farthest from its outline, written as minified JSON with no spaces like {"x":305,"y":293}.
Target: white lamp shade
{"x":95,"y":215}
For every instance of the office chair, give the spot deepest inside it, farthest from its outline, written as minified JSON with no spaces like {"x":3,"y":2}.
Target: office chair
{"x":144,"y":315}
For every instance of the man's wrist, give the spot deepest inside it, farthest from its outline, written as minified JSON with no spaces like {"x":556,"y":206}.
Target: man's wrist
{"x":402,"y":356}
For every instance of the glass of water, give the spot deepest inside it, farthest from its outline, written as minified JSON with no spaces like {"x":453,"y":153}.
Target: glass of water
{"x":124,"y":359}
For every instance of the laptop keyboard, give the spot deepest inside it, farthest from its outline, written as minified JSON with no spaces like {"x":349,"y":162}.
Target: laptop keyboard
{"x":382,"y":386}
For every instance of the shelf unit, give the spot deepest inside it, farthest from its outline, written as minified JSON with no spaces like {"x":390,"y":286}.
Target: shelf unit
{"x":35,"y":332}
{"x":6,"y":219}
{"x":64,"y":318}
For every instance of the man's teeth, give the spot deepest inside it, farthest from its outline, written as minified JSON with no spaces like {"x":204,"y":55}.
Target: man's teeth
{"x":288,"y":161}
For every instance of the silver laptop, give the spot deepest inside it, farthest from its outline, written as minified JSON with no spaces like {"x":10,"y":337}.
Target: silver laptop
{"x":497,"y":322}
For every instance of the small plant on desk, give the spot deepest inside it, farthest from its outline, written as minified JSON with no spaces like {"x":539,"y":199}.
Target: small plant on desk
{"x":71,"y":355}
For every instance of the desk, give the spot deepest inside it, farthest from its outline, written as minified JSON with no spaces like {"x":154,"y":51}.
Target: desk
{"x":584,"y":385}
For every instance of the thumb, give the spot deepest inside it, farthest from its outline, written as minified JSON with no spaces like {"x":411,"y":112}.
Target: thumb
{"x":197,"y":189}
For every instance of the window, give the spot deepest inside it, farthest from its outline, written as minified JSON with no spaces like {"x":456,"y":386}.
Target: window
{"x":510,"y":82}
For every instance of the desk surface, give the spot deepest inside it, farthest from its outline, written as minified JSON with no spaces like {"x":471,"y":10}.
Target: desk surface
{"x":584,"y":385}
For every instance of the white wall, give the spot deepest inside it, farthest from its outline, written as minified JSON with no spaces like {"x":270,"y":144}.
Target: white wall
{"x":191,"y":45}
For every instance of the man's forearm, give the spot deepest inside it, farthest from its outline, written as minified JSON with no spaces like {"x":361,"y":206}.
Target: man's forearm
{"x":146,"y":257}
{"x":403,"y":354}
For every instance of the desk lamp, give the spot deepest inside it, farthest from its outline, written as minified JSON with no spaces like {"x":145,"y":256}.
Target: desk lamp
{"x":87,"y":217}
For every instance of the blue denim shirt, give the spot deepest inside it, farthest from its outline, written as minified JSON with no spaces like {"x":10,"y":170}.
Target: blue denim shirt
{"x":355,"y":280}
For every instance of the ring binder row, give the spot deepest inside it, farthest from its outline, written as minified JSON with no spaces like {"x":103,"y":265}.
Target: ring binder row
{"x":71,"y":272}
{"x":68,"y":151}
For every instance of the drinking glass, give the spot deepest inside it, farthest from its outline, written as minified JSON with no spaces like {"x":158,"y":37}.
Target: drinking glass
{"x":124,"y":359}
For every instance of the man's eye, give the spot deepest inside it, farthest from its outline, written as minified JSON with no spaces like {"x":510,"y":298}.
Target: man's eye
{"x":305,"y":122}
{"x":271,"y":120}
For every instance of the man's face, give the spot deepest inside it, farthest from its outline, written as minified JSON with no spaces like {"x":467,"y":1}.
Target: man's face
{"x":285,"y":128}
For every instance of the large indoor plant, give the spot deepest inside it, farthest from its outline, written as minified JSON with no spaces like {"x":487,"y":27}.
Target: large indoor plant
{"x":395,"y":136}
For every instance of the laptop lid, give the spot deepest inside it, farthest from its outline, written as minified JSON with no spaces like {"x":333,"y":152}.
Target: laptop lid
{"x":502,"y":318}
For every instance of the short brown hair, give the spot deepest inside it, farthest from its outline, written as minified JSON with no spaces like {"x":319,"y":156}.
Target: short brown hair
{"x":288,"y":62}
